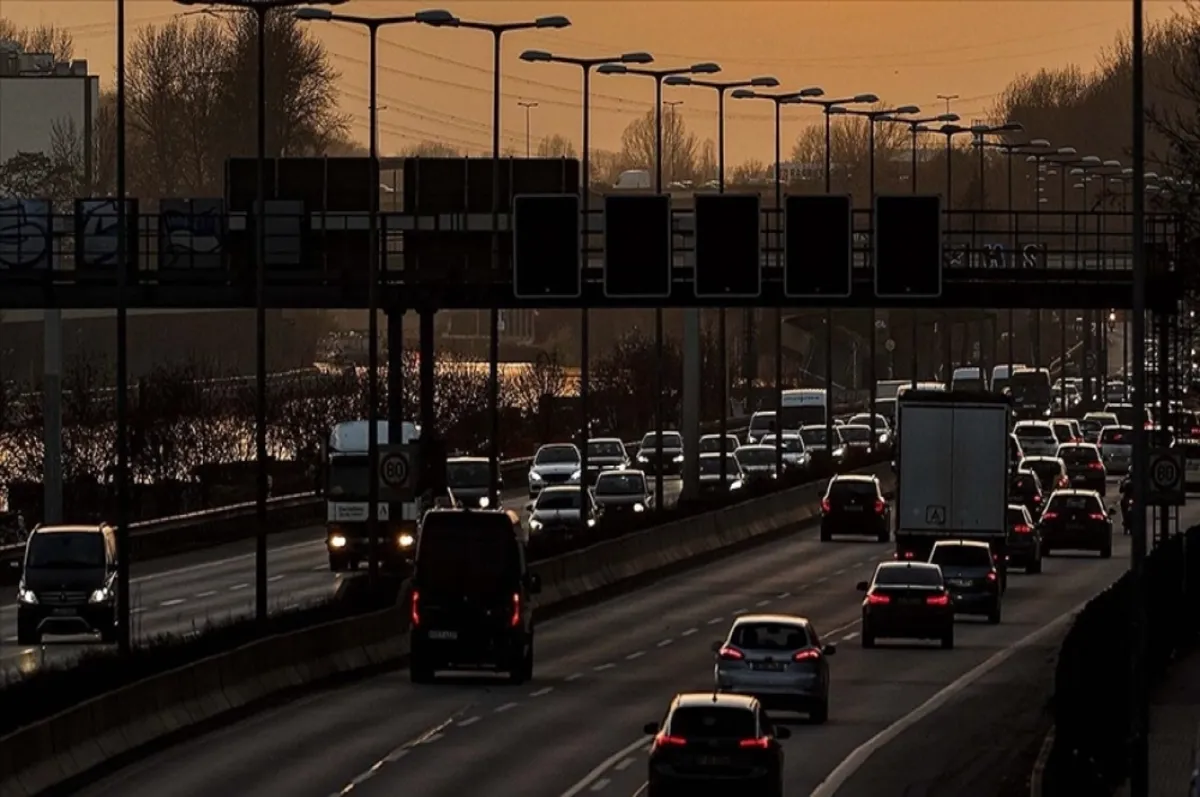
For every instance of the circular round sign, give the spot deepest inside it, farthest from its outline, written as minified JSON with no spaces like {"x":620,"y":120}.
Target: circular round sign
{"x":1164,"y":472}
{"x":890,"y":345}
{"x":393,"y":470}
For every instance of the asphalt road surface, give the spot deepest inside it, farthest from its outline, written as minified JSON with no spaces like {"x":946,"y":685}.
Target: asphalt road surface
{"x":605,"y":671}
{"x":181,"y":594}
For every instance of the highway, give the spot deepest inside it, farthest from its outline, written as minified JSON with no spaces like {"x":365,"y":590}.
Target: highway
{"x":181,"y":594}
{"x":601,"y":674}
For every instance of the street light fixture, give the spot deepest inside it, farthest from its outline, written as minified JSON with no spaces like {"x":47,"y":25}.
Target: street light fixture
{"x":497,"y":30}
{"x":373,"y":25}
{"x":586,"y":65}
{"x":914,"y":126}
{"x":260,"y":8}
{"x":691,"y":347}
{"x":721,"y":87}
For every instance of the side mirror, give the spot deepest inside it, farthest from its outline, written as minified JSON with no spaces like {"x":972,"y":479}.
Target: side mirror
{"x":782,"y":732}
{"x":534,"y":584}
{"x":862,"y":586}
{"x":650,"y":728}
{"x":829,"y":649}
{"x":715,"y":647}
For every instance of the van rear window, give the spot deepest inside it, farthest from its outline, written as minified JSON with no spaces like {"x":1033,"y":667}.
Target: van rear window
{"x":468,"y":553}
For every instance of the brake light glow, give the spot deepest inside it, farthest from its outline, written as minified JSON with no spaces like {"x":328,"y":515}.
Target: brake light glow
{"x":1021,"y":528}
{"x":1063,"y":481}
{"x":808,"y":654}
{"x":666,"y":740}
{"x":1048,"y":515}
{"x":878,"y":600}
{"x":937,"y":600}
{"x":730,"y":654}
{"x":879,"y":506}
{"x":1097,"y":465}
{"x":1097,"y":516}
{"x":516,"y":610}
{"x":826,"y":506}
{"x":906,"y":555}
{"x":991,"y":576}
{"x":761,"y":743}
{"x":416,"y":612}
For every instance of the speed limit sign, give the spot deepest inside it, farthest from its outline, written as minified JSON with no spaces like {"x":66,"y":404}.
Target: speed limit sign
{"x":397,"y":470}
{"x":1166,"y":471}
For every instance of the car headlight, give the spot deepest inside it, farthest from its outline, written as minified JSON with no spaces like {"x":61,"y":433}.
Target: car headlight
{"x":26,"y":596}
{"x":99,"y":596}
{"x":839,"y":451}
{"x":337,"y":541}
{"x":639,"y":507}
{"x":736,"y":484}
{"x":591,"y":522}
{"x":643,"y":458}
{"x":577,"y":475}
{"x":678,"y":458}
{"x":535,"y":524}
{"x":484,"y":502}
{"x":534,"y":476}
{"x":406,"y":540}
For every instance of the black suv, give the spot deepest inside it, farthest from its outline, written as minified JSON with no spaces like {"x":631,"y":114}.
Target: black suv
{"x":470,"y":605}
{"x":715,"y":741}
{"x":854,"y":504}
{"x":68,"y":584}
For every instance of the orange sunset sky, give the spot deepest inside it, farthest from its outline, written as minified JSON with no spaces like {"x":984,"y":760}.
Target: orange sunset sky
{"x":436,"y":84}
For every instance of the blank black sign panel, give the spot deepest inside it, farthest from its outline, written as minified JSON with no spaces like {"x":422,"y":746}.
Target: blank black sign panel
{"x":637,"y":246}
{"x":546,"y":246}
{"x":818,"y":252}
{"x":908,"y":247}
{"x":728,"y":251}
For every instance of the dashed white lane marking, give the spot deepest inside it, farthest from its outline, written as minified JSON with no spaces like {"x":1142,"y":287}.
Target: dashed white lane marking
{"x":600,"y":784}
{"x":689,"y":631}
{"x":236,"y":587}
{"x":841,"y":572}
{"x":275,"y":578}
{"x":822,"y":579}
{"x":665,"y":642}
{"x":208,"y":593}
{"x":469,"y":721}
{"x":849,"y":636}
{"x":714,"y":620}
{"x":783,"y":595}
{"x":137,"y":610}
{"x":432,"y":739}
{"x":624,"y":764}
{"x":505,"y":707}
{"x":605,"y":765}
{"x":608,"y":665}
{"x":319,"y":568}
{"x":575,"y":676}
{"x":763,"y":602}
{"x":737,"y":612}
{"x":545,"y":690}
{"x":172,"y":602}
{"x":637,"y":654}
{"x":433,"y":734}
{"x":393,"y":757}
{"x":10,"y":639}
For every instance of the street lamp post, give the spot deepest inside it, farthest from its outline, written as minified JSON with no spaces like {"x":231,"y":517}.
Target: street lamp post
{"x":528,"y":106}
{"x":586,"y":65}
{"x":261,"y":9}
{"x":1039,"y":161}
{"x":497,"y":30}
{"x":778,"y":101}
{"x":873,"y":117}
{"x":691,"y":343}
{"x":373,"y":26}
{"x":916,"y":127}
{"x":827,"y":107}
{"x":721,"y":87}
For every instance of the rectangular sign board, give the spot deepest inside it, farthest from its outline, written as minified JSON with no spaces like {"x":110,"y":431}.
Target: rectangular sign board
{"x":637,"y":246}
{"x":818,"y":246}
{"x":907,"y":251}
{"x":546,"y":247}
{"x":728,"y":246}
{"x":26,"y":235}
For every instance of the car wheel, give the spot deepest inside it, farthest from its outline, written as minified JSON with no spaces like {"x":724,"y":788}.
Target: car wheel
{"x":868,"y":638}
{"x":885,"y":536}
{"x":521,"y":664}
{"x":948,"y":641}
{"x":993,"y":616}
{"x":1034,"y":566}
{"x":1106,"y":552}
{"x":826,"y":536}
{"x":338,"y":563}
{"x":420,"y":671}
{"x":820,"y":712}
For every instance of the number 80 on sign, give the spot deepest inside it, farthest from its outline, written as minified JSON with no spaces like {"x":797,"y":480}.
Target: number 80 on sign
{"x":397,"y":465}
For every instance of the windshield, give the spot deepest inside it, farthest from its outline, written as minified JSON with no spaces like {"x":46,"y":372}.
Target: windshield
{"x":852,"y":488}
{"x":753,"y":457}
{"x":856,"y":434}
{"x":349,"y":476}
{"x":605,"y":448}
{"x":1063,"y":431}
{"x":1090,"y":427}
{"x":468,"y":474}
{"x":669,"y":440}
{"x":713,"y":444}
{"x":814,"y":436}
{"x":908,"y":574}
{"x":769,"y":636}
{"x":762,"y":421}
{"x":474,"y":553}
{"x":1159,"y":438}
{"x":713,"y":722}
{"x":1116,"y":436}
{"x":64,"y":549}
{"x":1125,"y":414}
{"x":881,"y":423}
{"x":1078,"y":454}
{"x":711,"y":466}
{"x":557,"y":499}
{"x":1035,"y":432}
{"x":961,"y":556}
{"x":621,"y":484}
{"x":791,"y":443}
{"x":1090,"y":503}
{"x":1026,"y":484}
{"x":1047,"y":469}
{"x":968,"y":383}
{"x":556,"y":455}
{"x":1016,"y":515}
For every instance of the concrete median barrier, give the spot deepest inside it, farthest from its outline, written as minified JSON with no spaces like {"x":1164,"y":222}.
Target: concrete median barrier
{"x":66,"y":747}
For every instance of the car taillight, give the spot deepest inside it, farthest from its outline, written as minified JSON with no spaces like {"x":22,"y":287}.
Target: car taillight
{"x":1096,"y":465}
{"x":1098,"y":516}
{"x":515,"y":620}
{"x":878,"y":600}
{"x":991,"y":576}
{"x":880,"y":505}
{"x":1063,"y":481}
{"x":826,"y":506}
{"x":1021,"y":528}
{"x":762,"y":743}
{"x":666,"y":740}
{"x":809,"y":654}
{"x":1049,"y":515}
{"x":937,"y":600}
{"x":416,"y":611}
{"x":730,"y":654}
{"x":1037,"y":499}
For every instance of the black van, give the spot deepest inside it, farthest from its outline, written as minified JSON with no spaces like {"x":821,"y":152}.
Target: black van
{"x":68,"y":584}
{"x":470,"y":606}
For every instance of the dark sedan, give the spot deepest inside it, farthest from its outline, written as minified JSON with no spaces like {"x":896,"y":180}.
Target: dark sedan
{"x":969,"y":571}
{"x":907,"y":600}
{"x":1076,"y":520}
{"x":1024,"y":540}
{"x":618,"y":492}
{"x":1025,"y":488}
{"x":854,"y":504}
{"x":1085,"y":467}
{"x":667,"y":459}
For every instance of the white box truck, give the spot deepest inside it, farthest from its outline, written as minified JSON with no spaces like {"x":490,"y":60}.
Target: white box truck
{"x":952,"y":471}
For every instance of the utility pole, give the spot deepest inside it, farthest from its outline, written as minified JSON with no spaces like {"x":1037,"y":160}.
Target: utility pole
{"x":528,"y":106}
{"x":947,"y":98}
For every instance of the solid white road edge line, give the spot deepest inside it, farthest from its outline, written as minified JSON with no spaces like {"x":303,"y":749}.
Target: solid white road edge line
{"x":604,"y":766}
{"x":1039,"y":766}
{"x":854,"y":762}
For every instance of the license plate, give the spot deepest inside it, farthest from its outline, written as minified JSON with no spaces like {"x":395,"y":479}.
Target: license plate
{"x":67,"y":612}
{"x":712,"y":761}
{"x":854,"y":509}
{"x":443,"y":635}
{"x":1074,"y":527}
{"x":958,"y":582}
{"x":774,"y":666}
